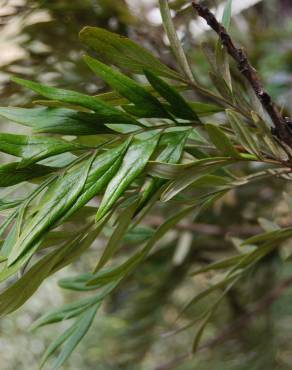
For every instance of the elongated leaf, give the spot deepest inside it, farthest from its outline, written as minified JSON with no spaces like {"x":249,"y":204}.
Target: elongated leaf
{"x":66,"y":312}
{"x":188,"y":177}
{"x":133,"y":164}
{"x":78,"y":283}
{"x":54,"y":204}
{"x":205,"y":109}
{"x":13,"y":173}
{"x":227,"y":14}
{"x":56,"y":120}
{"x":172,"y":153}
{"x":102,"y":169}
{"x":19,"y":292}
{"x":221,"y":141}
{"x":223,"y":264}
{"x":72,"y":340}
{"x":174,"y":41}
{"x":243,"y":133}
{"x":179,"y":107}
{"x":105,"y":112}
{"x":128,"y":88}
{"x":113,"y":244}
{"x":116,"y":273}
{"x":123,"y":52}
{"x":221,"y":284}
{"x":34,"y":148}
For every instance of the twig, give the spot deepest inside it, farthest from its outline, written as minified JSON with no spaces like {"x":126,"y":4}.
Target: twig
{"x":209,"y":229}
{"x":261,"y":306}
{"x":282,"y":129}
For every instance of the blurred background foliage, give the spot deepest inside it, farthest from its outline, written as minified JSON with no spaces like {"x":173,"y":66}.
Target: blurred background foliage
{"x":39,"y":40}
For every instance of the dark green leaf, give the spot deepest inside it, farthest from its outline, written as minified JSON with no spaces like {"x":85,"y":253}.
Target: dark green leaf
{"x":56,"y":120}
{"x":179,"y":107}
{"x":128,"y":88}
{"x":13,"y":173}
{"x":123,"y":52}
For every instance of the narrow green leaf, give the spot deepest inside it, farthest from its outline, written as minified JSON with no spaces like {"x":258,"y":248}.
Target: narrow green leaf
{"x":104,"y":111}
{"x":55,"y":202}
{"x":244,"y":133}
{"x":13,"y":173}
{"x":128,"y":88}
{"x":80,"y":329}
{"x":174,"y":41}
{"x":221,"y":141}
{"x":220,"y":265}
{"x":116,"y":273}
{"x":34,"y":148}
{"x":180,"y":108}
{"x":102,"y":169}
{"x":188,"y":177}
{"x":57,"y":120}
{"x":227,"y":14}
{"x":123,"y":52}
{"x":66,"y":312}
{"x":133,"y":164}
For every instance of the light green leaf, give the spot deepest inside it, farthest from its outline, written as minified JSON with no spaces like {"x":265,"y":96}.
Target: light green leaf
{"x":191,"y":175}
{"x":244,"y":134}
{"x":174,"y":41}
{"x":227,"y":14}
{"x":56,"y":120}
{"x":34,"y":148}
{"x":81,"y":327}
{"x":56,"y":201}
{"x":102,"y":169}
{"x":133,"y":164}
{"x":105,"y":112}
{"x":66,"y":312}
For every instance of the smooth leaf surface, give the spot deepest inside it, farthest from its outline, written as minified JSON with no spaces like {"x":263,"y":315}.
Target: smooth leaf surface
{"x":123,"y":52}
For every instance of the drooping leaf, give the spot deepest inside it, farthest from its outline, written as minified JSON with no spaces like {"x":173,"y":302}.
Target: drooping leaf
{"x":72,"y":339}
{"x":114,"y":274}
{"x":123,"y":223}
{"x":55,"y":202}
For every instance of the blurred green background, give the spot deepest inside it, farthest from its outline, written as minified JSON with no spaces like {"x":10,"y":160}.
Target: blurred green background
{"x":39,"y":40}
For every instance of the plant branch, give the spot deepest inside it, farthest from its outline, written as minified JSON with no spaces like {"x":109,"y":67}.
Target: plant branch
{"x":261,"y":306}
{"x":282,"y":129}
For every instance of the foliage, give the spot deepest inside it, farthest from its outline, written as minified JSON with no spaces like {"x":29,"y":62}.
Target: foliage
{"x":112,"y":160}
